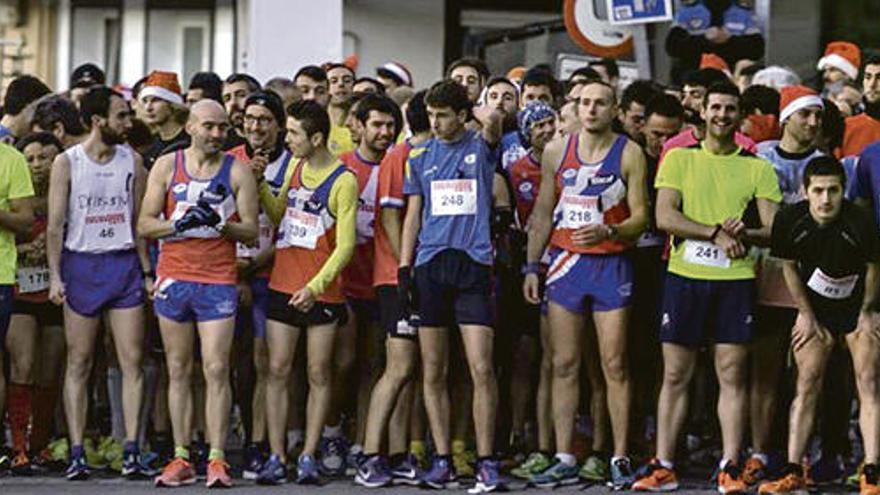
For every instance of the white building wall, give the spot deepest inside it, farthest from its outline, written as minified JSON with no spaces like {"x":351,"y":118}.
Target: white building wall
{"x":408,"y":31}
{"x":283,"y":35}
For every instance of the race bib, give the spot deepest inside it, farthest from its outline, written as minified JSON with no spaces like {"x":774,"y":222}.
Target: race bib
{"x":832,"y":288}
{"x":454,"y":197}
{"x":579,"y":211}
{"x":301,"y":229}
{"x":706,"y":254}
{"x":32,"y":279}
{"x":264,"y":241}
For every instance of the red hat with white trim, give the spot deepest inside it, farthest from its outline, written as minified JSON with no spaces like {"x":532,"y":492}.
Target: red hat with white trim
{"x":844,"y":56}
{"x":396,"y":71}
{"x":794,"y":98}
{"x":162,"y":85}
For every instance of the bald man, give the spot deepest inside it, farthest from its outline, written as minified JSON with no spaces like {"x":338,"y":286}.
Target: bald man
{"x":200,"y":202}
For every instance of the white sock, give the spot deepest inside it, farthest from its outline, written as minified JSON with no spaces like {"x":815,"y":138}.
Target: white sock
{"x":616,"y":458}
{"x":332,"y":431}
{"x":666,"y":464}
{"x":761,"y":457}
{"x":356,"y":449}
{"x":567,"y":459}
{"x":723,"y":464}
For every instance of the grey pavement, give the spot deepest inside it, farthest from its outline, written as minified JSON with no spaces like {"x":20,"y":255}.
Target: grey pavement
{"x":58,"y":485}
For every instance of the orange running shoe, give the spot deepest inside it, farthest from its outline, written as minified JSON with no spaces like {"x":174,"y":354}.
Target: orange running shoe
{"x":178,"y":472}
{"x":791,"y":481}
{"x":868,"y":482}
{"x":730,"y":480}
{"x":658,"y":479}
{"x":21,"y":464}
{"x":754,"y":471}
{"x":218,"y":474}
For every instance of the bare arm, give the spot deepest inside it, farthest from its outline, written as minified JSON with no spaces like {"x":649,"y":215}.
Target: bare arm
{"x":19,"y":217}
{"x":491,"y":120}
{"x":247,"y":203}
{"x":797,"y":289}
{"x":634,"y":170}
{"x":140,"y":187}
{"x":412,"y":223}
{"x":59,"y":191}
{"x":149,"y":224}
{"x":671,"y":219}
{"x":541,"y":219}
{"x":390,"y":218}
{"x":767,"y":212}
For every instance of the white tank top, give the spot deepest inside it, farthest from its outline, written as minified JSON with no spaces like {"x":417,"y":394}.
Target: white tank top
{"x":101,"y":204}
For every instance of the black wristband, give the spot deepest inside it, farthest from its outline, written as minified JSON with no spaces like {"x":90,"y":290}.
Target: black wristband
{"x":715,"y":233}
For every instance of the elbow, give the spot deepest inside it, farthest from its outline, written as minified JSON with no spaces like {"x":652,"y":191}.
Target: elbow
{"x":663,"y":221}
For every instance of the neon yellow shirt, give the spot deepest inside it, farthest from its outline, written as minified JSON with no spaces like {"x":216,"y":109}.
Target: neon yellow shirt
{"x":339,"y":141}
{"x":714,"y":188}
{"x":15,"y":183}
{"x":343,"y":203}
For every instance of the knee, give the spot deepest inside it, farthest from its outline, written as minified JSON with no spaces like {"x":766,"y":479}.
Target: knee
{"x":565,"y":366}
{"x":482,"y":372}
{"x":79,"y":363}
{"x":732,"y":374}
{"x":320,"y":374}
{"x":434,"y":375}
{"x":216,"y":371}
{"x":615,"y":368}
{"x":400,"y":372}
{"x":676,"y":377}
{"x":277,"y":371}
{"x":179,"y":370}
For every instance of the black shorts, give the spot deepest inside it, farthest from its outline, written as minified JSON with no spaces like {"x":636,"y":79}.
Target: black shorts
{"x":46,"y":313}
{"x":454,"y":289}
{"x":390,"y":312}
{"x":320,"y":313}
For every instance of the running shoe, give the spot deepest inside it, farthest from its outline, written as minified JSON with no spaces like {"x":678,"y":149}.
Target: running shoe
{"x":488,"y":477}
{"x":594,"y":470}
{"x":253,"y":462}
{"x":537,"y":462}
{"x":754,"y":471}
{"x":307,"y":471}
{"x":870,"y":480}
{"x":134,"y":468}
{"x":407,"y":472}
{"x":827,"y":470}
{"x":78,"y":470}
{"x":730,"y":480}
{"x":791,"y":480}
{"x":622,"y":475}
{"x":559,"y":474}
{"x":218,"y":474}
{"x":333,"y":452}
{"x":374,"y":472}
{"x":272,"y":472}
{"x":656,"y":479}
{"x":21,"y":465}
{"x":177,"y":473}
{"x":441,"y":475}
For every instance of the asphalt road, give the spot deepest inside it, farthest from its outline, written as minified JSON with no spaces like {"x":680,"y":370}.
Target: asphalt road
{"x":115,"y":486}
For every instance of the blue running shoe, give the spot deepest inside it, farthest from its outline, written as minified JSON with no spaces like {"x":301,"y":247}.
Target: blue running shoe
{"x":307,"y":471}
{"x":272,"y":472}
{"x":488,"y":478}
{"x":441,"y":475}
{"x":78,"y":470}
{"x":374,"y":472}
{"x":134,"y":468}
{"x":559,"y":474}
{"x":253,"y":462}
{"x":622,"y":474}
{"x":407,"y":472}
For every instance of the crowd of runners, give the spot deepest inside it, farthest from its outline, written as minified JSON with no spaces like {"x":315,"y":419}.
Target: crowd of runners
{"x":493,"y":277}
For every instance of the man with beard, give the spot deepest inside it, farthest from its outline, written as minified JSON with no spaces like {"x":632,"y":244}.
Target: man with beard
{"x":864,"y":129}
{"x":236,"y":89}
{"x":635,"y":98}
{"x":503,"y":95}
{"x":708,"y":295}
{"x":471,"y":73}
{"x":379,"y":119}
{"x":591,"y":207}
{"x":839,"y":65}
{"x":164,"y":112}
{"x":200,"y":202}
{"x":98,"y":268}
{"x":268,"y":158}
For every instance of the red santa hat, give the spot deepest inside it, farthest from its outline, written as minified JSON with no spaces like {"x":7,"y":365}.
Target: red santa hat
{"x":396,"y":71}
{"x":162,"y":85}
{"x":794,"y":98}
{"x":844,"y":56}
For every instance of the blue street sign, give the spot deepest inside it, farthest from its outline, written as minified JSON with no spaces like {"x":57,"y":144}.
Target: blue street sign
{"x":639,"y":11}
